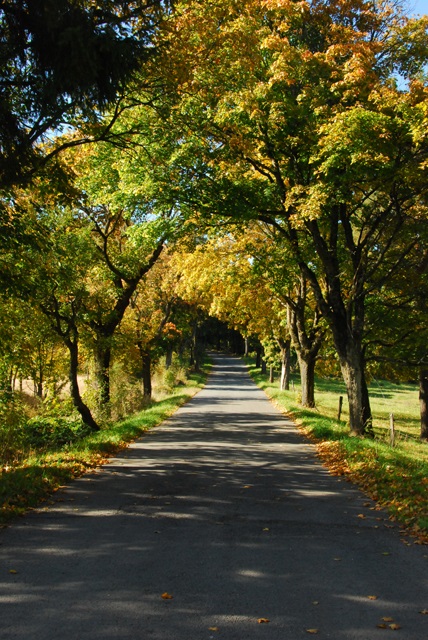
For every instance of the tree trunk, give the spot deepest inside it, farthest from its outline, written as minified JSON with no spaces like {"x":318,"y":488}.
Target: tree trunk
{"x":360,"y":417}
{"x":263,"y":366}
{"x":168,"y":358}
{"x":307,"y":378}
{"x":39,"y":383}
{"x":81,"y":407}
{"x":271,"y":374}
{"x":146,"y":369}
{"x":258,"y":357}
{"x":102,"y":374}
{"x":195,"y":349}
{"x":245,"y":346}
{"x":284,"y":345}
{"x":423,"y":397}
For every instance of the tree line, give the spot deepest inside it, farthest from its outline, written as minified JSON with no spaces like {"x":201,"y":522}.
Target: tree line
{"x":263,"y":162}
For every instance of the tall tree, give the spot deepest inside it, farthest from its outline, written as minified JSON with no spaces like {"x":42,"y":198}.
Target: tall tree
{"x":302,"y":125}
{"x":64,"y":61}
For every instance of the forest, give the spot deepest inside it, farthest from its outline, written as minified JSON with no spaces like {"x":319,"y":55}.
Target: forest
{"x":177,"y":176}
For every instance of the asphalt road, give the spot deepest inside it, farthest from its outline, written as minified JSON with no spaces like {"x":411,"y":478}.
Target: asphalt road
{"x":225,"y":508}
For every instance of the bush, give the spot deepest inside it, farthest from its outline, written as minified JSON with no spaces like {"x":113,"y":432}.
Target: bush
{"x":48,"y":432}
{"x":165,"y":379}
{"x":12,"y":441}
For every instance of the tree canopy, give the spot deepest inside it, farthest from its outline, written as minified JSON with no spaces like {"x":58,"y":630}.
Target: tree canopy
{"x":268,"y":156}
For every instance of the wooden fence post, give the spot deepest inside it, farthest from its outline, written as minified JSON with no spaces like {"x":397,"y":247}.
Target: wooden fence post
{"x":391,"y":430}
{"x":340,"y":408}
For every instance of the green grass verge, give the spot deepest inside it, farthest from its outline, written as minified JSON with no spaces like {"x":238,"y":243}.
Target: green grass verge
{"x":25,"y":485}
{"x":395,"y":477}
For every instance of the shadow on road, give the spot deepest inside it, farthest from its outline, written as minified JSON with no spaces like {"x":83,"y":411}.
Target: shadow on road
{"x":225,"y":508}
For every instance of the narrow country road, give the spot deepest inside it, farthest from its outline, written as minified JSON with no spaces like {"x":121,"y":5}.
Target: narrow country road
{"x":225,"y":508}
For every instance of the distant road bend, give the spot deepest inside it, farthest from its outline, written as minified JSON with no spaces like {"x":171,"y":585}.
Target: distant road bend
{"x":220,"y":523}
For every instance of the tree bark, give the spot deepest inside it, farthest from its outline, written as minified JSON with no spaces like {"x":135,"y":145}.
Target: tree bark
{"x":307,"y":378}
{"x":307,"y":337}
{"x":195,"y":355}
{"x":258,"y":357}
{"x":81,"y":407}
{"x":168,"y":357}
{"x":360,"y":417}
{"x":284,"y":346}
{"x":102,"y":374}
{"x":423,"y":398}
{"x":146,"y":368}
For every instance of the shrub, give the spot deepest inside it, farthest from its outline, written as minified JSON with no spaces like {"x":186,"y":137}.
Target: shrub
{"x":12,"y":441}
{"x":49,"y":432}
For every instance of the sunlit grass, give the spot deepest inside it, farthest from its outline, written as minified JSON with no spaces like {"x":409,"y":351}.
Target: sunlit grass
{"x":396,"y":477}
{"x":34,"y":479}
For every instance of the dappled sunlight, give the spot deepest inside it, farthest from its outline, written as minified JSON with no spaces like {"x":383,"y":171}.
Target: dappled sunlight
{"x":223,"y":509}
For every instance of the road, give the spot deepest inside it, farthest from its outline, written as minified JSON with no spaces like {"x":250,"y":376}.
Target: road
{"x":226,"y":509}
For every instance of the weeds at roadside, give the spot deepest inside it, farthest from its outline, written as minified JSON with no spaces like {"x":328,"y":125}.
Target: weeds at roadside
{"x":32,"y":479}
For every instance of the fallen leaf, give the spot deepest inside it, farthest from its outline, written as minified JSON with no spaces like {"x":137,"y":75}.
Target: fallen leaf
{"x":263,"y":620}
{"x":13,"y":571}
{"x":248,"y":486}
{"x":386,"y":553}
{"x":382,"y":626}
{"x":315,"y":602}
{"x":337,"y":559}
{"x":266,"y":529}
{"x":212,"y":628}
{"x":312,"y":630}
{"x":387,"y":619}
{"x":372,"y":597}
{"x":424,"y":612}
{"x":394,"y":626}
{"x":361,"y":515}
{"x":167,"y":596}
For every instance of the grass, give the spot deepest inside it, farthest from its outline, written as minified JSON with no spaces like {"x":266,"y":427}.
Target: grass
{"x":395,"y":477}
{"x":34,"y":479}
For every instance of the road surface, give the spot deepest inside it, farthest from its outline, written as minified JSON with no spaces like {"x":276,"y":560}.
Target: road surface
{"x":226,"y":509}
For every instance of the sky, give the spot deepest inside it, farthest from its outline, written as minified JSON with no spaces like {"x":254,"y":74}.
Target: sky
{"x":418,"y":6}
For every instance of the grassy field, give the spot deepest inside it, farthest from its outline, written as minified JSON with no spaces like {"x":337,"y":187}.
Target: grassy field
{"x":395,"y":476}
{"x":35,"y":478}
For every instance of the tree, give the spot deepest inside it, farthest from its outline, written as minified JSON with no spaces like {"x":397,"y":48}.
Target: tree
{"x":123,"y":271}
{"x":64,"y":61}
{"x":302,"y":126}
{"x":275,"y":265}
{"x":150,"y":317}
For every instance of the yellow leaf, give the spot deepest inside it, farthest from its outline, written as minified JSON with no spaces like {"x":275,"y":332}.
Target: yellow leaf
{"x":166,"y":596}
{"x":387,"y":619}
{"x":394,"y":626}
{"x":263,"y":620}
{"x":212,"y":628}
{"x":382,"y":625}
{"x":12,"y":571}
{"x":312,"y":630}
{"x":424,"y":612}
{"x":372,"y":597}
{"x":266,"y":529}
{"x":361,"y":515}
